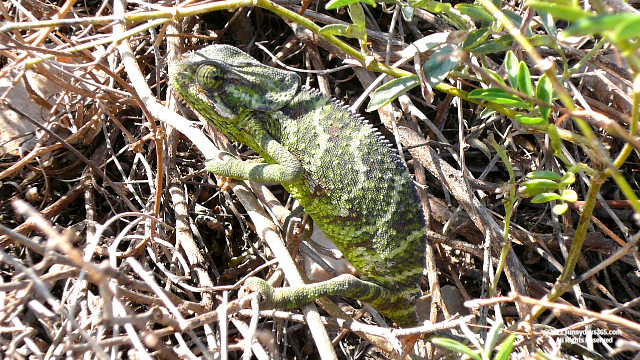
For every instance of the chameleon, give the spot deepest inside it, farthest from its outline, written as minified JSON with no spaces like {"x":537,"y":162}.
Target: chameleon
{"x":345,"y":175}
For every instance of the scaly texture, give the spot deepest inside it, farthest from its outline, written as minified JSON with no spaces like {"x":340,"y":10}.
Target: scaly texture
{"x":344,"y":175}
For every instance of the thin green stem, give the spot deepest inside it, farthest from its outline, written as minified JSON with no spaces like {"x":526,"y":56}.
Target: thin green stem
{"x":586,"y":58}
{"x":563,"y":284}
{"x":633,"y":131}
{"x":508,"y":208}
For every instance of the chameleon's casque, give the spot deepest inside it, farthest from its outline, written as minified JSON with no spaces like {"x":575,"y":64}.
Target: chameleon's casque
{"x":347,"y":178}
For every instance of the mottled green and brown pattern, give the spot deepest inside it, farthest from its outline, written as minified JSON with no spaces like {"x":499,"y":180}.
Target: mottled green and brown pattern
{"x":347,"y":178}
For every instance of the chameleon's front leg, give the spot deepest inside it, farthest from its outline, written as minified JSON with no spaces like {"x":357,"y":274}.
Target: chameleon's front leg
{"x":287,"y":168}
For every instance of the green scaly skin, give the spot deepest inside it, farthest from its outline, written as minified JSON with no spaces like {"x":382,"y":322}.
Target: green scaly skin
{"x":344,"y":175}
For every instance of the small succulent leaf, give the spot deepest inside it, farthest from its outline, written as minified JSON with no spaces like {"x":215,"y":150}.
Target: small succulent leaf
{"x":498,"y":96}
{"x":542,"y":40}
{"x":530,"y":188}
{"x":544,"y":198}
{"x":544,"y":92}
{"x":524,"y":79}
{"x":544,"y":174}
{"x":554,"y":137}
{"x":567,"y":179}
{"x":529,"y":119}
{"x":511,"y":63}
{"x":560,"y":209}
{"x":391,"y":90}
{"x":569,"y":195}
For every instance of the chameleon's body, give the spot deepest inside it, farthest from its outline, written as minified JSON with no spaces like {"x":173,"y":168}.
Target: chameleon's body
{"x":344,"y":175}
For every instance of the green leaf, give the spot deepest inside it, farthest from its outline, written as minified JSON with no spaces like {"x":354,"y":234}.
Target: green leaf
{"x":334,"y":4}
{"x":391,"y":90}
{"x":492,"y":338}
{"x":474,"y":11}
{"x":500,"y":44}
{"x":570,"y":12}
{"x":407,"y":13}
{"x":544,"y":92}
{"x":506,"y":348}
{"x":433,"y":6}
{"x":511,"y":63}
{"x":455,"y":347}
{"x":475,"y":143}
{"x":440,"y":63}
{"x":554,"y":138}
{"x":548,"y":23}
{"x":568,"y":179}
{"x":560,"y":209}
{"x":627,"y":30}
{"x":537,"y":186}
{"x":351,"y":31}
{"x":333,"y":29}
{"x":498,"y":96}
{"x":438,"y":7}
{"x":516,"y":19}
{"x":486,"y":112}
{"x":569,"y":195}
{"x":544,"y":198}
{"x":544,"y":174}
{"x":495,"y":76}
{"x":529,"y":119}
{"x":476,"y":37}
{"x":357,"y":15}
{"x":524,"y":79}
{"x":602,"y":24}
{"x":542,"y":40}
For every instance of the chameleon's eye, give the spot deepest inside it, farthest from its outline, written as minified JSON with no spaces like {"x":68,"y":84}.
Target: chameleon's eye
{"x":209,"y":77}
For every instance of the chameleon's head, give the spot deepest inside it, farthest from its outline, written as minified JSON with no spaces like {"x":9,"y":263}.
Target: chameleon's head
{"x":220,"y":81}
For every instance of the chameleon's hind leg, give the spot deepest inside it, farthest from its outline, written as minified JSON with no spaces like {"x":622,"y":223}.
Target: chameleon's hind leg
{"x":343,"y":285}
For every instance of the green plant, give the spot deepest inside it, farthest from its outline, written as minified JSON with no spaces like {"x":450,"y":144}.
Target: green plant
{"x":481,"y":352}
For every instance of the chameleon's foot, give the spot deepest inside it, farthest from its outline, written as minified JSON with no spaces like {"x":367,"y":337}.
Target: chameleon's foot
{"x":263,"y":288}
{"x":223,"y":183}
{"x":211,"y":164}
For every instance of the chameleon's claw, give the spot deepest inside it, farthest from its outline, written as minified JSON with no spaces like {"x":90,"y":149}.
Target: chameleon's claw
{"x":223,"y":183}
